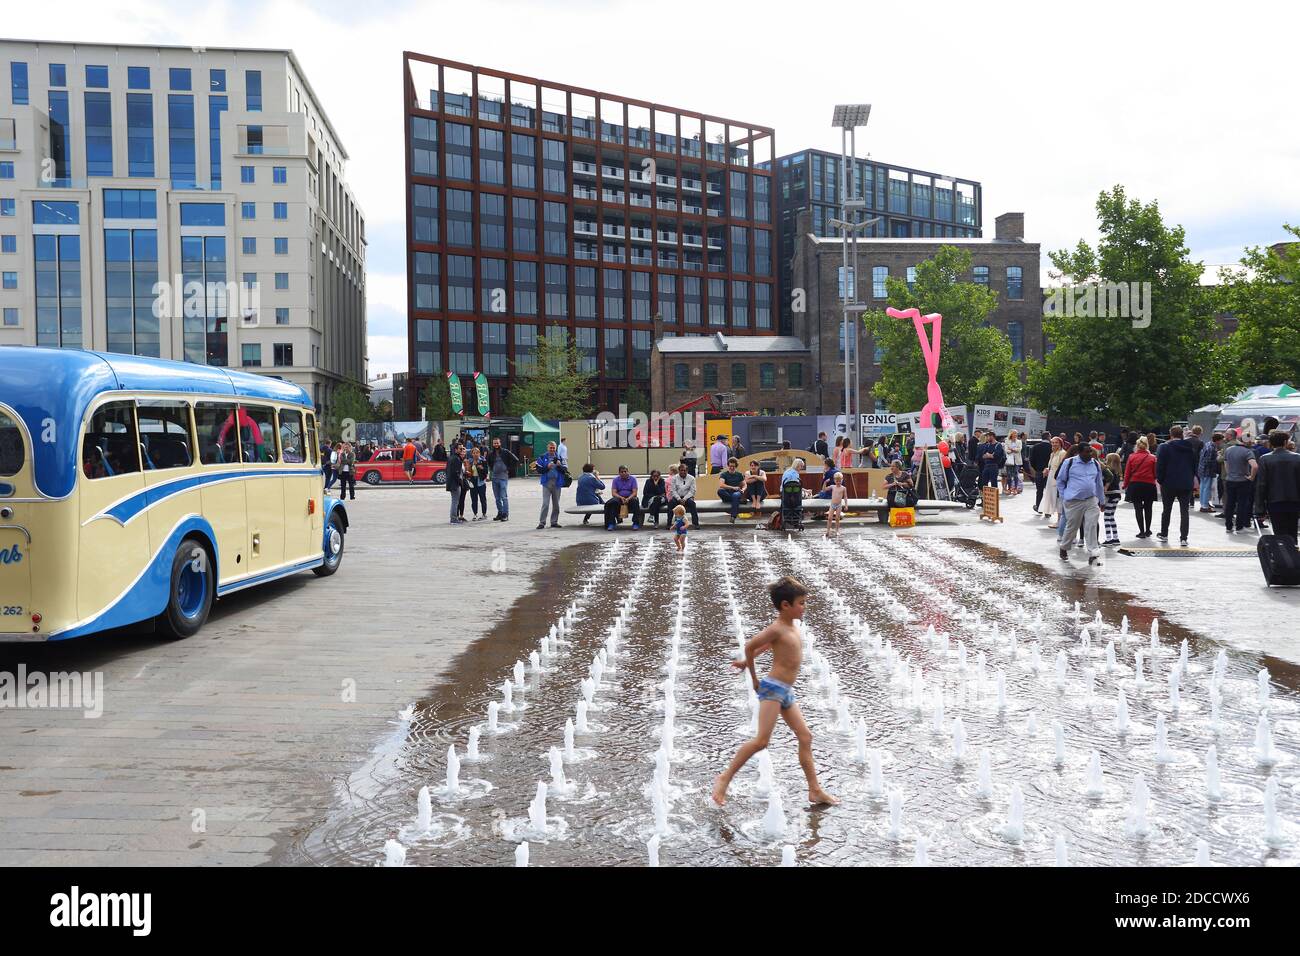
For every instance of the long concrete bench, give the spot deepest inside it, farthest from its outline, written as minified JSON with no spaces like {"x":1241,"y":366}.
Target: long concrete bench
{"x":773,"y":503}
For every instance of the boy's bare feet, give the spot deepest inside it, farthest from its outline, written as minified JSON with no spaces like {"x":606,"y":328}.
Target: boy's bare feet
{"x":816,"y":797}
{"x":719,"y":791}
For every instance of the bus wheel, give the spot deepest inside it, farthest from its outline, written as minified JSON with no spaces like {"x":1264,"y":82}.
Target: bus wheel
{"x":333,"y":548}
{"x":372,"y":477}
{"x":192,"y":590}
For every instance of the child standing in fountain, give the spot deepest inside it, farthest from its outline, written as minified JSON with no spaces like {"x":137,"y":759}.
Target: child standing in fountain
{"x":776,"y":690}
{"x":679,"y":528}
{"x":839,"y":495}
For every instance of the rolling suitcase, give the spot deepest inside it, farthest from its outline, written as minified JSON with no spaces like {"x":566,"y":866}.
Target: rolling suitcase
{"x":1280,"y":561}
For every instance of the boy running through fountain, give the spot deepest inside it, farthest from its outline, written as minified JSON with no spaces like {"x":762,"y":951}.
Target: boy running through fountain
{"x":776,"y":690}
{"x":679,"y":528}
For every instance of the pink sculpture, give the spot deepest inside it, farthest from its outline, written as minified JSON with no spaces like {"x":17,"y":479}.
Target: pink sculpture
{"x":930,"y":349}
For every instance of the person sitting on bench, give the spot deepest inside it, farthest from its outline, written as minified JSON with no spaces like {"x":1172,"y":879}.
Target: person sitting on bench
{"x":589,"y":484}
{"x":681,"y":491}
{"x":622,"y":493}
{"x":730,"y":481}
{"x":754,"y":488}
{"x":654,"y":497}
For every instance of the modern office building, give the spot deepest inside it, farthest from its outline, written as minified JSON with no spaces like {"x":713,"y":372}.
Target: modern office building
{"x":1006,"y":264}
{"x":537,"y":206}
{"x":910,"y":203}
{"x":182,"y":203}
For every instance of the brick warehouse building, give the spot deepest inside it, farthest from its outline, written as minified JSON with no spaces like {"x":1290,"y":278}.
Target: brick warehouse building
{"x":537,"y":206}
{"x":1006,"y":263}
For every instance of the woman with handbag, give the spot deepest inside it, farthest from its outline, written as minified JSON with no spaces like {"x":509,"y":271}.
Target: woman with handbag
{"x":1140,"y":485}
{"x":898,"y":487}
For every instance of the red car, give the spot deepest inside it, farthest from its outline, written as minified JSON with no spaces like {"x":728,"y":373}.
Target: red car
{"x":386,"y":465}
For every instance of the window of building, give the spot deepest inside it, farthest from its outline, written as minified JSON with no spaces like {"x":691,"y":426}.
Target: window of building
{"x":247,"y":174}
{"x":424,"y":210}
{"x":555,"y":170}
{"x":283,"y":354}
{"x":18,"y":84}
{"x":203,"y":214}
{"x":279,"y":174}
{"x":717,"y":302}
{"x":794,"y":375}
{"x":1016,"y":333}
{"x":248,"y":210}
{"x":99,"y":133}
{"x":178,"y":78}
{"x":428,"y":346}
{"x":981,"y":275}
{"x":11,"y":316}
{"x":8,"y":244}
{"x":492,"y":285}
{"x":525,"y":349}
{"x":692,"y":308}
{"x":282,"y":281}
{"x":557,"y":291}
{"x":762,"y":305}
{"x":523,"y":161}
{"x":251,"y":354}
{"x":249,"y":246}
{"x":427,"y":291}
{"x":58,"y":74}
{"x":847,"y":291}
{"x":613,"y":283}
{"x":523,"y":233}
{"x":767,"y":375}
{"x":9,"y":280}
{"x":615,"y":354}
{"x":667,"y":298}
{"x":1015,"y":283}
{"x":281,"y":316}
{"x":8,"y":207}
{"x":584,"y":301}
{"x":681,"y":376}
{"x":459,"y":158}
{"x":216,"y":81}
{"x":911,"y":278}
{"x":253,"y":90}
{"x":555,"y":218}
{"x":460,"y":283}
{"x":139,"y":133}
{"x":460,"y":217}
{"x":494,"y":349}
{"x":461,"y":352}
{"x":491,"y":157}
{"x":281,"y":210}
{"x":878,"y":276}
{"x":739,"y":375}
{"x":710,"y":375}
{"x":525,"y":287}
{"x":641,"y":343}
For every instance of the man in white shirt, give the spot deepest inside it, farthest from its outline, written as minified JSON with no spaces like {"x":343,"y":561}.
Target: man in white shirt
{"x":562,"y":452}
{"x":681,"y":491}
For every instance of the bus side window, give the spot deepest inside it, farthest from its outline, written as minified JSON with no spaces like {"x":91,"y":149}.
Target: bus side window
{"x":257,"y":433}
{"x":165,"y":434}
{"x":215,"y":425}
{"x":111,"y":446}
{"x":12,"y":453}
{"x":291,"y":436}
{"x":312,"y":442}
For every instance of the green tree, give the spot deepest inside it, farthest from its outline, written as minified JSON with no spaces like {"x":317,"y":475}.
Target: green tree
{"x":553,"y":384}
{"x":437,"y":401}
{"x":1264,"y":297}
{"x":637,"y":400}
{"x":349,"y":404}
{"x":1117,"y":368}
{"x":976,"y":364}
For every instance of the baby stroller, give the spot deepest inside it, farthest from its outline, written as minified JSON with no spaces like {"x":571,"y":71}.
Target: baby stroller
{"x":967,"y":490}
{"x":792,"y":506}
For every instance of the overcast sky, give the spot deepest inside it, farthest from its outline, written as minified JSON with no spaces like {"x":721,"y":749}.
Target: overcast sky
{"x":1045,"y":104}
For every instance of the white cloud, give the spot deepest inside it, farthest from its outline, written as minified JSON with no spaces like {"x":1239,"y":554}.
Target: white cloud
{"x":1045,"y":104}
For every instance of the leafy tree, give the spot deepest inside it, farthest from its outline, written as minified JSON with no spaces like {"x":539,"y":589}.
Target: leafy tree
{"x":348,"y":405}
{"x":437,"y":401}
{"x":1114,"y":368}
{"x":637,"y":400}
{"x":976,"y":364}
{"x":1264,"y":297}
{"x":553,"y":384}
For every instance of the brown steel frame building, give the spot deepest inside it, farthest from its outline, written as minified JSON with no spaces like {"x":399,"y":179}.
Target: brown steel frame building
{"x":609,"y":203}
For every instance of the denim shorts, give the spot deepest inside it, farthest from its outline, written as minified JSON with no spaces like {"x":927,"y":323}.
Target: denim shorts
{"x":769,"y":689}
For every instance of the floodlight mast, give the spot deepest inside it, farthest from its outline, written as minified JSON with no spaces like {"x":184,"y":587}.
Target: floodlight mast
{"x":848,"y":118}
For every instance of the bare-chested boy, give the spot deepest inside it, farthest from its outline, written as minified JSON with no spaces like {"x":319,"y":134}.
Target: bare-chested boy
{"x":776,"y":690}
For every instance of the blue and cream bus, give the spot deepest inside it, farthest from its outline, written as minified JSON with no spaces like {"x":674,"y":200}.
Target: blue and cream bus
{"x":134,"y":489}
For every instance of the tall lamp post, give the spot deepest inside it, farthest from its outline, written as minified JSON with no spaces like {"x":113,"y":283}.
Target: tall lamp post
{"x":849,"y":118}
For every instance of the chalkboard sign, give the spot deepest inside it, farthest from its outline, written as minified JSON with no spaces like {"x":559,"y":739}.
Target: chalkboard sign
{"x":990,"y":504}
{"x":938,"y":480}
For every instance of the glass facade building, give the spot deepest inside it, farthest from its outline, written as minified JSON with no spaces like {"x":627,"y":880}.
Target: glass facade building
{"x":911,"y":204}
{"x":536,"y":206}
